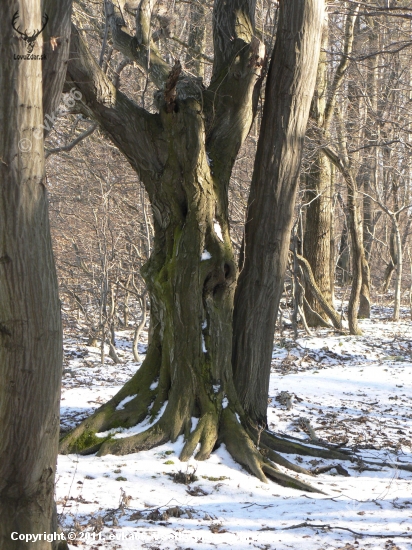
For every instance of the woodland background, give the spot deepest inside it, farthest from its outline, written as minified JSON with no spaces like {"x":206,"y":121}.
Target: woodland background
{"x":100,"y":214}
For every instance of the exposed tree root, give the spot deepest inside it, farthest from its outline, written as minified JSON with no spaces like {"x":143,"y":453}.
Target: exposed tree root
{"x":148,"y":439}
{"x":279,"y":459}
{"x":83,"y":439}
{"x":224,"y":428}
{"x":255,"y":449}
{"x":290,"y":446}
{"x":206,"y":433}
{"x":244,"y":451}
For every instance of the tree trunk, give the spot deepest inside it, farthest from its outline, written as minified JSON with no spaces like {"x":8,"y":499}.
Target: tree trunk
{"x":318,"y":227}
{"x":318,"y":233}
{"x":355,"y":230}
{"x":30,"y":325}
{"x":289,"y":90}
{"x":344,"y":257}
{"x":310,"y":282}
{"x":369,"y":173}
{"x":399,"y":266}
{"x":191,"y":273}
{"x":332,"y":260}
{"x":191,"y":277}
{"x":358,"y":257}
{"x":364,"y":298}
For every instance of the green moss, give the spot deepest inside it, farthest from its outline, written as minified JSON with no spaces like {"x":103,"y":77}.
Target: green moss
{"x":121,"y":478}
{"x":168,"y":462}
{"x":210,"y":478}
{"x":86,"y":440}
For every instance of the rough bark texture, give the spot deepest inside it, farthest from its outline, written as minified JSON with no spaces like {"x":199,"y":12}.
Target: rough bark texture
{"x":56,"y":43}
{"x":30,"y":326}
{"x":319,"y":227}
{"x":399,"y":267}
{"x":343,"y":262}
{"x":364,"y":311}
{"x":289,"y":90}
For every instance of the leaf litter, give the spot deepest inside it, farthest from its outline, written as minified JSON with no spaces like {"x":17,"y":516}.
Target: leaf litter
{"x":351,"y":391}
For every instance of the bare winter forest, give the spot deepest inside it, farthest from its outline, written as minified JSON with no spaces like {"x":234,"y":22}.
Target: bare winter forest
{"x":208,"y":208}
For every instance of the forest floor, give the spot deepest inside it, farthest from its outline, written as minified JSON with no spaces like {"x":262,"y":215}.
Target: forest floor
{"x":353,"y":390}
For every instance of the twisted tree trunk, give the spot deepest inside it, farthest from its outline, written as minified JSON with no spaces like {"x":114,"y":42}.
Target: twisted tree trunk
{"x":184,"y":155}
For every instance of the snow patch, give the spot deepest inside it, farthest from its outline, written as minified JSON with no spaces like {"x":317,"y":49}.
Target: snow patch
{"x":205,"y":256}
{"x":218,"y":229}
{"x":154,"y":385}
{"x":204,"y":345}
{"x":119,"y":433}
{"x":195,"y":422}
{"x":121,"y":405}
{"x":225,"y":402}
{"x":339,"y":380}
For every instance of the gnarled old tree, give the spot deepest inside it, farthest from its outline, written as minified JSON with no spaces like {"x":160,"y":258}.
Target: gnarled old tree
{"x":184,"y":155}
{"x":30,"y":327}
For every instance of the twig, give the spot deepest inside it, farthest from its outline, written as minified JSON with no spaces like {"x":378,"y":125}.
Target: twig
{"x":70,"y":146}
{"x":331,"y":528}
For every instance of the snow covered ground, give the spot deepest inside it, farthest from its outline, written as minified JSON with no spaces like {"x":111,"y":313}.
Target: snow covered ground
{"x":354,"y":391}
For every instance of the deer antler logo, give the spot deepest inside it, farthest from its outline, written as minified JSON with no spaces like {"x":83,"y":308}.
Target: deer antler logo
{"x":30,"y":39}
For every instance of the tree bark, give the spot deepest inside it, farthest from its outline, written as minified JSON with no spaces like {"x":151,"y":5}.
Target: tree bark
{"x":184,"y":155}
{"x":368,"y":172}
{"x":358,"y":257}
{"x":310,"y":282}
{"x":30,"y":325}
{"x":344,"y":256}
{"x":355,"y":230}
{"x":399,"y":267}
{"x":318,"y":227}
{"x":289,"y":90}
